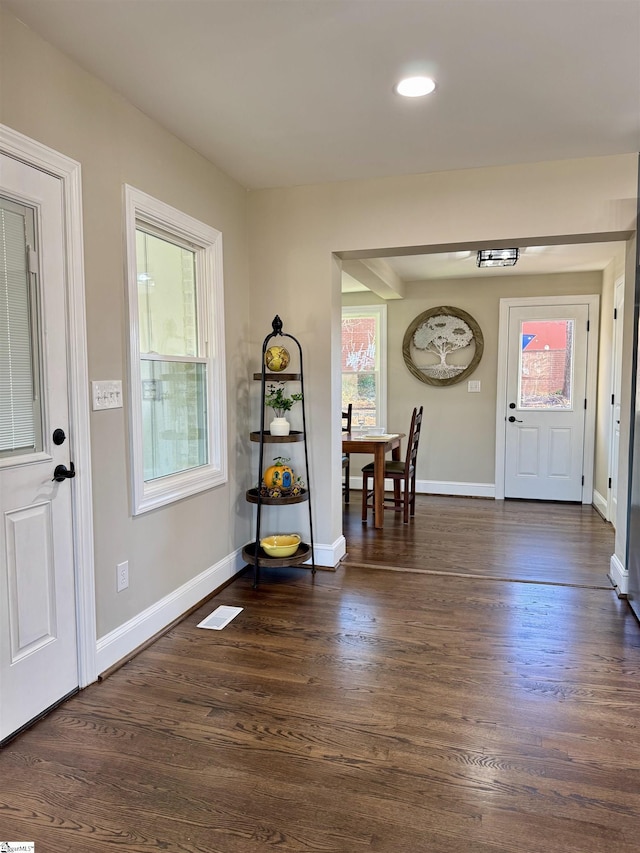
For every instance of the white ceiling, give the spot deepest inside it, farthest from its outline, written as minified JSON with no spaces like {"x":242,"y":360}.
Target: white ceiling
{"x":533,"y":260}
{"x":285,"y":92}
{"x":288,"y":92}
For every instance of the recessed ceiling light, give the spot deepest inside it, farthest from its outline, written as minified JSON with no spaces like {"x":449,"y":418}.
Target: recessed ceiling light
{"x":415,"y":87}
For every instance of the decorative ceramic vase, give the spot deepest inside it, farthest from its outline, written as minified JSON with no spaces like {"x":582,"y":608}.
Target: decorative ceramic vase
{"x":279,"y":426}
{"x":277,"y":358}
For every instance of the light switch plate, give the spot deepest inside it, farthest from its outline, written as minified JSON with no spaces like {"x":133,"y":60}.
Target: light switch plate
{"x":106,"y":394}
{"x":473,"y":386}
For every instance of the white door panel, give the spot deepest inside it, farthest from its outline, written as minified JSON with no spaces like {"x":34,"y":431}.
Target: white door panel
{"x":528,"y":452}
{"x":560,"y":444}
{"x":38,"y":650}
{"x":544,"y":412}
{"x":612,"y":503}
{"x":615,"y":445}
{"x":31,"y":577}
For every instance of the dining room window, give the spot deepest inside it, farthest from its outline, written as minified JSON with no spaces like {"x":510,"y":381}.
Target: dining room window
{"x":364,"y":364}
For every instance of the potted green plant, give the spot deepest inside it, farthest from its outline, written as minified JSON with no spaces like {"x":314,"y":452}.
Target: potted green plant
{"x":277,"y":400}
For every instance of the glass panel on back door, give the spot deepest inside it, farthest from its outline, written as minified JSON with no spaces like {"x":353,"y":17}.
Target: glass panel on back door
{"x":545,"y":376}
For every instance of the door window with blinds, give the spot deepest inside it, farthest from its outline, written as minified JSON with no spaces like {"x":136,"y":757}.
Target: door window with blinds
{"x":20,"y":397}
{"x":177,"y":353}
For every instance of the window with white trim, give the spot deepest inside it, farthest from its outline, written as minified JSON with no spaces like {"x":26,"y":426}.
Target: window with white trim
{"x":176,"y":345}
{"x":364,"y":364}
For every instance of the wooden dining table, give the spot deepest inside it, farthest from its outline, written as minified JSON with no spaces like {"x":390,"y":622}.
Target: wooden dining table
{"x":378,"y":446}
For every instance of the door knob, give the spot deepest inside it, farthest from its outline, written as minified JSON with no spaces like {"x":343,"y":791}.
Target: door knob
{"x":513,"y":420}
{"x":61,"y":472}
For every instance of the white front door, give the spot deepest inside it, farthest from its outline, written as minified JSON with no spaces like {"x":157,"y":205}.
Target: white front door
{"x":545,"y":401}
{"x":38,"y":650}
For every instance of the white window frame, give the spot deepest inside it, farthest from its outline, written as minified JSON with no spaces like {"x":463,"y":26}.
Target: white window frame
{"x":142,"y":209}
{"x":379,"y":311}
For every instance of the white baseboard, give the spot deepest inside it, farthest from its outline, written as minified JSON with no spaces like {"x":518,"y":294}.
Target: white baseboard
{"x":441,"y":487}
{"x":600,"y":504}
{"x":469,"y":490}
{"x":618,"y":575}
{"x":122,"y":641}
{"x":330,"y":555}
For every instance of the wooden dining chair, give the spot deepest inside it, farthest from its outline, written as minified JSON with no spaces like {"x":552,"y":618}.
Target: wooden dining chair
{"x":402,"y":473}
{"x":346,"y":466}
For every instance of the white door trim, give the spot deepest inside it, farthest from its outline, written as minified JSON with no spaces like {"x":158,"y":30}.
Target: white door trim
{"x":616,"y":369}
{"x":27,"y":150}
{"x":593,"y":301}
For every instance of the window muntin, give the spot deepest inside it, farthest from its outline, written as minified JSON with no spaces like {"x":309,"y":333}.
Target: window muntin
{"x":364,"y":353}
{"x":177,"y":383}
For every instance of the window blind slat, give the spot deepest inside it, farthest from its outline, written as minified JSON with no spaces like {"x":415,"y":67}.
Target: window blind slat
{"x":16,"y":373}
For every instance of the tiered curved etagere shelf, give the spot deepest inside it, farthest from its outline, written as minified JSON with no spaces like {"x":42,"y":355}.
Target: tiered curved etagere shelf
{"x":253,"y":497}
{"x":265,"y":561}
{"x":267,"y":438}
{"x":252,"y":553}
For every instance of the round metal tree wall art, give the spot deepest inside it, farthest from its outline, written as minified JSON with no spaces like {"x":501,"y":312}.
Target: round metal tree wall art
{"x":442,"y":346}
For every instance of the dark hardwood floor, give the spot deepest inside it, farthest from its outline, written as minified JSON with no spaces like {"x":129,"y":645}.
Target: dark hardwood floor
{"x":361,"y":710}
{"x":505,"y":540}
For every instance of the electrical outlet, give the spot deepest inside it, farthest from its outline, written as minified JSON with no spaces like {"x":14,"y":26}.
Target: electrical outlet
{"x":122,"y":575}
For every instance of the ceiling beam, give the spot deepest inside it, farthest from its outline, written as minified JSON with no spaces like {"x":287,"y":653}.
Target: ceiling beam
{"x":377,"y":276}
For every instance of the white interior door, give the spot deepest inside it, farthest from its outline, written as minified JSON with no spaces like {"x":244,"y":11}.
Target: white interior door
{"x":612,"y":508}
{"x":545,"y":405}
{"x":38,"y":649}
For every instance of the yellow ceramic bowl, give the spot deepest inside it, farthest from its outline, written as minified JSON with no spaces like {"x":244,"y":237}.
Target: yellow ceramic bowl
{"x":280,"y":545}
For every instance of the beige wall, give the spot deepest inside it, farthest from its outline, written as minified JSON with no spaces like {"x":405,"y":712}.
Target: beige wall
{"x":459,"y":434}
{"x":295,"y":231}
{"x":50,"y":99}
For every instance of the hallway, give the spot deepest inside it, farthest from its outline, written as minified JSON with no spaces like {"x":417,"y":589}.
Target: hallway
{"x":554,"y":543}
